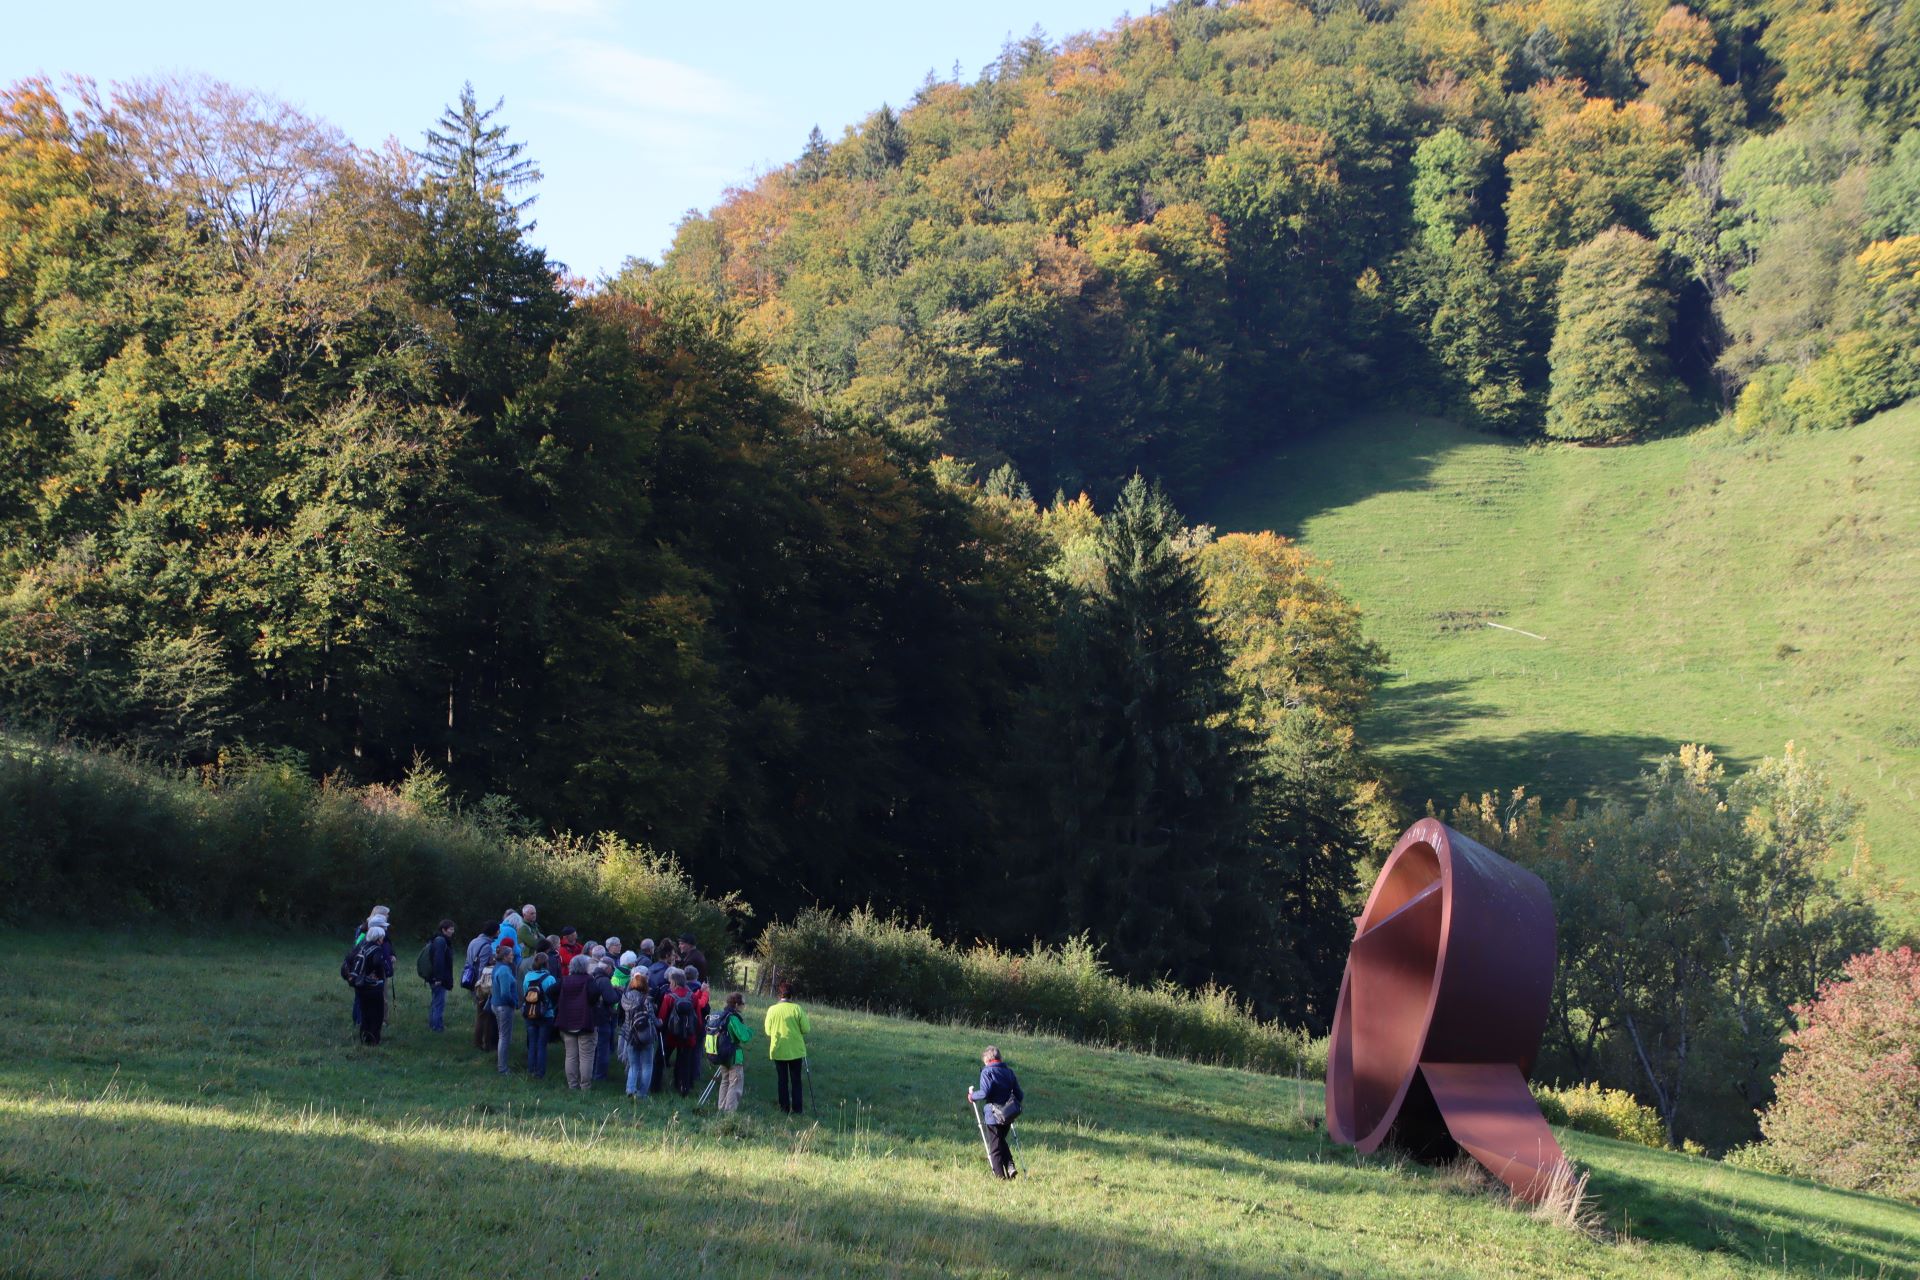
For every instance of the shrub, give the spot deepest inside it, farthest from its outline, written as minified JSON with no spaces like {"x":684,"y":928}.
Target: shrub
{"x":1611,"y":1113}
{"x":1760,"y":408}
{"x":1851,"y":382}
{"x":1847,"y":1105}
{"x":109,"y":839}
{"x":862,"y":959}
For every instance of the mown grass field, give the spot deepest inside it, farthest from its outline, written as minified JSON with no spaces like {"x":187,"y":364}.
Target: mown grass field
{"x":172,"y":1106}
{"x":1696,"y":589}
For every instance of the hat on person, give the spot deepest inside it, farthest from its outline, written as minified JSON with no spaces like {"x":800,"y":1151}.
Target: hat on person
{"x":686,"y":937}
{"x":569,"y":932}
{"x":628,"y":960}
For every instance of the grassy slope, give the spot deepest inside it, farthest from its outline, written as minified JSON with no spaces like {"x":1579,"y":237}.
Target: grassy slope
{"x":1690,"y":590}
{"x":171,"y":1106}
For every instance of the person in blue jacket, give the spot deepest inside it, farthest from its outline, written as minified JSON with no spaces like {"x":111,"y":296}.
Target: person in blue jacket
{"x":1000,"y":1096}
{"x":506,"y":999}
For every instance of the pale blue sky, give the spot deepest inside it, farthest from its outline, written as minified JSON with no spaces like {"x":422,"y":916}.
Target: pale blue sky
{"x":636,"y":110}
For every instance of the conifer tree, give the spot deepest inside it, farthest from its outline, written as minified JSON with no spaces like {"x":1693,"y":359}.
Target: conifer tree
{"x":1147,"y":806}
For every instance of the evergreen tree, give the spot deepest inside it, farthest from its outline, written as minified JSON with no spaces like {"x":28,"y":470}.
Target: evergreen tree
{"x":883,"y":143}
{"x":1147,"y":832}
{"x":1609,"y":365}
{"x":812,"y":165}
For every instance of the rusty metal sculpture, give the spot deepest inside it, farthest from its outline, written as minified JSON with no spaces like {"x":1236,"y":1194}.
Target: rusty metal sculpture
{"x":1441,"y":1010}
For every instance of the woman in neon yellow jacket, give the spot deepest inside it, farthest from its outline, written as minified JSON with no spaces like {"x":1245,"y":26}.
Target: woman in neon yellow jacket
{"x":787,"y":1029}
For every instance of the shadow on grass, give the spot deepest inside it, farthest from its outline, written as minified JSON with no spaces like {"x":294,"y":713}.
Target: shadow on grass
{"x":1288,"y":483}
{"x":618,"y":1218}
{"x":1711,"y":1222}
{"x":1418,"y":725}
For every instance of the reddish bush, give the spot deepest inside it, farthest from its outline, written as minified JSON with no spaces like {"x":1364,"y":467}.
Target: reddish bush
{"x":1848,"y":1106}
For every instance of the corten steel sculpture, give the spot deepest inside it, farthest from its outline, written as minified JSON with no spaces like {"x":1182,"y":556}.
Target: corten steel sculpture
{"x":1441,"y":1010}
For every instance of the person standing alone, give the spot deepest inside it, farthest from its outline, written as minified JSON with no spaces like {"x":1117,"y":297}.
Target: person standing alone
{"x":787,"y":1028}
{"x":438,"y":971}
{"x":1000,"y":1096}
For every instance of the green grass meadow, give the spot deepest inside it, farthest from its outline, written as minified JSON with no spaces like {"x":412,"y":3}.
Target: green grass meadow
{"x":1694,"y":589}
{"x":175,"y":1106}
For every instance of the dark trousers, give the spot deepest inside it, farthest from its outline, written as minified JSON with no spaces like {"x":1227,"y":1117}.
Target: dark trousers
{"x":371,"y":1004}
{"x":686,"y":1068}
{"x":485,"y":1029}
{"x":789,"y":1073}
{"x":998,"y":1153}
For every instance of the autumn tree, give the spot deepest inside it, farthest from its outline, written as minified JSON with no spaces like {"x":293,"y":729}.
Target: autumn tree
{"x":1849,"y":1087}
{"x":1610,"y":377}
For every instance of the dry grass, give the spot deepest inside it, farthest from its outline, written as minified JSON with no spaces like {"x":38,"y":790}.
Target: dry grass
{"x":1568,"y":1205}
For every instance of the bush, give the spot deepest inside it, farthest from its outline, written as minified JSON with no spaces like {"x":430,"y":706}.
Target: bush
{"x":1846,"y":1110}
{"x":1611,"y":1113}
{"x":107,"y":839}
{"x":863,"y":960}
{"x":1856,"y":379}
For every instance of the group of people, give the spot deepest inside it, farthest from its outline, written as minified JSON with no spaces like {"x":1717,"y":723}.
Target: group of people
{"x":650,"y":1007}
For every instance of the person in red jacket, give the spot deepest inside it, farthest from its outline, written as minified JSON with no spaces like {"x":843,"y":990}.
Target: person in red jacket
{"x":680,"y":1026}
{"x":569,"y":948}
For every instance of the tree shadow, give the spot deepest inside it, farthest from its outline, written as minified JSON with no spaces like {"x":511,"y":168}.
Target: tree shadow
{"x":1714,"y":1223}
{"x":1283,"y":486}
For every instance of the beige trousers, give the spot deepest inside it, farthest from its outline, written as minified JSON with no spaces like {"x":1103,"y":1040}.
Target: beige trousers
{"x":580,"y":1047}
{"x":733,"y":1083}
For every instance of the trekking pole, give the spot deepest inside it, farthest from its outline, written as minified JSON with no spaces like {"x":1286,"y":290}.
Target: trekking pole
{"x":982,"y":1125}
{"x":711,"y":1081}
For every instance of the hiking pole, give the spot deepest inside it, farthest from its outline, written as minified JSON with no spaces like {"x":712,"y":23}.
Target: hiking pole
{"x":712,"y":1080}
{"x":982,"y":1125}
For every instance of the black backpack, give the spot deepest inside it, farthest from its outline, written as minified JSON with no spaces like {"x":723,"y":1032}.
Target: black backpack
{"x":361,"y":968}
{"x":683,"y":1020}
{"x":641,"y":1025}
{"x":720,"y":1044}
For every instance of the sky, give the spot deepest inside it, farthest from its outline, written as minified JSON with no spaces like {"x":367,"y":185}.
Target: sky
{"x":635,"y":110}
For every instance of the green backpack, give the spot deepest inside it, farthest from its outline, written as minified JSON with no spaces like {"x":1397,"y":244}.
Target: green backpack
{"x":424,"y":965}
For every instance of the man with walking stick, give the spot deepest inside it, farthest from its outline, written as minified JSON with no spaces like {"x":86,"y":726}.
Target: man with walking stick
{"x":996,"y":1103}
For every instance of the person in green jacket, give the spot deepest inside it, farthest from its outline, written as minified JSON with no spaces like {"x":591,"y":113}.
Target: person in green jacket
{"x":730,"y":1063}
{"x":787,"y":1029}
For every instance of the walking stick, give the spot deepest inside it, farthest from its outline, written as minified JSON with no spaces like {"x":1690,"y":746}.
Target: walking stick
{"x":711,"y":1081}
{"x":982,"y":1125}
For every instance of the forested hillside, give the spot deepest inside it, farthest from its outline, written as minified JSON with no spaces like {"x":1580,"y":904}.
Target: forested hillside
{"x":1163,"y":245}
{"x":840,"y":553}
{"x":317,"y":461}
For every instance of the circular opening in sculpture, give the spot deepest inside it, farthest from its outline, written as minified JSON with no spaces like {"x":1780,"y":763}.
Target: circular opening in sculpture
{"x":1395,"y":954}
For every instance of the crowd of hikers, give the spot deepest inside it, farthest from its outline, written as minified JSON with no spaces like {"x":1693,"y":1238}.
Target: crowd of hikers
{"x":650,"y":1007}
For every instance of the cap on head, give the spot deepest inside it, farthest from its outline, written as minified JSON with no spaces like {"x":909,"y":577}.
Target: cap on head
{"x":569,"y":932}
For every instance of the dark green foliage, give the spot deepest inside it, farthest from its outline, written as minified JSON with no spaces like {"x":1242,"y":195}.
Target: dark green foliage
{"x":257,"y":841}
{"x":862,"y":960}
{"x":1149,"y":840}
